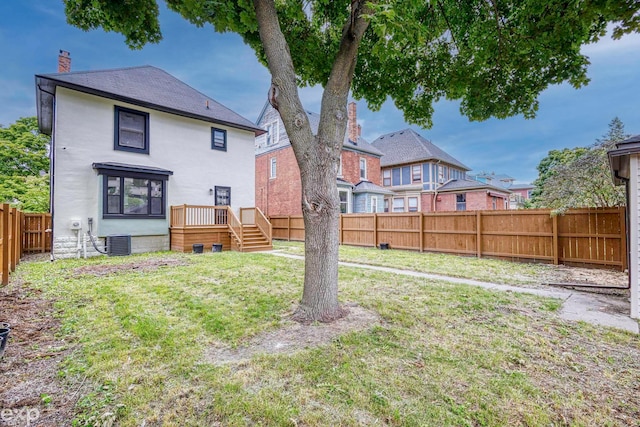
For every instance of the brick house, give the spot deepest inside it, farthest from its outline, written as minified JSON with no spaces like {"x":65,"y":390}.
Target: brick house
{"x":424,"y":178}
{"x":277,"y":176}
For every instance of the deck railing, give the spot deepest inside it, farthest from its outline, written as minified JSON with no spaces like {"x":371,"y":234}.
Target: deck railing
{"x":263,"y":223}
{"x":190,"y":216}
{"x":236,"y":228}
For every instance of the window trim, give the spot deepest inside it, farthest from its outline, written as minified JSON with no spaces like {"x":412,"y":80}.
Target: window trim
{"x":273,"y":165}
{"x":416,"y":178}
{"x":121,"y":176}
{"x":215,"y":194}
{"x":461,"y":202}
{"x":348,"y":201}
{"x":116,"y":130}
{"x":363,"y":170}
{"x":386,"y":177}
{"x":213,"y":134}
{"x":415,"y":208}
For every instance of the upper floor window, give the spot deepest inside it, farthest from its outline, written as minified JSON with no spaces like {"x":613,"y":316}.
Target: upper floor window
{"x":461,"y":202}
{"x":415,"y":173}
{"x":218,"y":139}
{"x":363,"y":168}
{"x":131,"y":130}
{"x":272,"y":133}
{"x":223,"y":196}
{"x":272,"y":173}
{"x":386,"y":177}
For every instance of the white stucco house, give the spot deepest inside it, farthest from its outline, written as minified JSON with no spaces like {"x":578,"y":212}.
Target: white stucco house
{"x":625,"y":167}
{"x":126,"y":144}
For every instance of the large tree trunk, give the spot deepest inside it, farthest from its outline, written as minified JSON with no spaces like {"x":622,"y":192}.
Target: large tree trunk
{"x":317,"y":156}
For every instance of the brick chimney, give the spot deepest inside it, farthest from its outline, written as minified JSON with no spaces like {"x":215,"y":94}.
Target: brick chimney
{"x":64,"y":62}
{"x":352,"y":123}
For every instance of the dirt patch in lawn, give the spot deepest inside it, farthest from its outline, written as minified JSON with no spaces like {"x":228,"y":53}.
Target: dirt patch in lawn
{"x":138,"y":266}
{"x":586,"y":279}
{"x":30,"y":391}
{"x":293,"y":337}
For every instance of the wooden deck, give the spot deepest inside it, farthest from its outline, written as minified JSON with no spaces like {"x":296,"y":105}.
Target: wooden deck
{"x":209,"y":225}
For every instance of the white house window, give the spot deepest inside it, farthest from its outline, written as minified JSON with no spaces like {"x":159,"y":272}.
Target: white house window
{"x":413,"y":204}
{"x":218,"y":139}
{"x":131,"y":130}
{"x":374,"y":204}
{"x":386,"y":177}
{"x":386,"y":205}
{"x":461,"y":202}
{"x":344,"y":201}
{"x":223,"y":196}
{"x":363,"y":168}
{"x":416,"y":175}
{"x":398,"y":204}
{"x":272,"y":133}
{"x":272,"y":173}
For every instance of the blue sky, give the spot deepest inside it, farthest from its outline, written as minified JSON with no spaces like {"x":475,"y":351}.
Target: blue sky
{"x":33,"y":31}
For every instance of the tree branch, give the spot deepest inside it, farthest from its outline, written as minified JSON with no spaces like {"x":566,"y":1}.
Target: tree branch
{"x":283,"y":78}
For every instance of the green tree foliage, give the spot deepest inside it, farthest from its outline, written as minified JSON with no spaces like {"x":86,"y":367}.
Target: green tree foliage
{"x":580,"y":177}
{"x":495,"y":56}
{"x":24,"y":165}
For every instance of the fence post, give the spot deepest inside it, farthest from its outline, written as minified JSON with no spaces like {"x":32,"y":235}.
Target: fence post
{"x":556,"y":249}
{"x":624,"y":250}
{"x":5,"y":244}
{"x":479,"y":233}
{"x":15,"y":259}
{"x":421,"y":218}
{"x":288,"y":228}
{"x":375,"y":230}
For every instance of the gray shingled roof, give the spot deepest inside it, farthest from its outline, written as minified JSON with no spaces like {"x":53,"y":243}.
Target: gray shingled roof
{"x":467,"y":184}
{"x":145,"y":86}
{"x":361,"y":145}
{"x":370,"y":187}
{"x":314,"y":122}
{"x":407,"y":146}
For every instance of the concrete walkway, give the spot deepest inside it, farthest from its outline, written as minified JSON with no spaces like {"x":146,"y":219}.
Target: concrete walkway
{"x":576,"y":306}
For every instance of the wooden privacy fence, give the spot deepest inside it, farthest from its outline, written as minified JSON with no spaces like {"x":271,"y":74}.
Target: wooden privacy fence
{"x":36,"y":232}
{"x":584,"y":237}
{"x":21,"y":233}
{"x":9,"y":240}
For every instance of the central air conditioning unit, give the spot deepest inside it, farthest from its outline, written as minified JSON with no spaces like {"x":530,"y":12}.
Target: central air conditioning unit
{"x":119,"y":245}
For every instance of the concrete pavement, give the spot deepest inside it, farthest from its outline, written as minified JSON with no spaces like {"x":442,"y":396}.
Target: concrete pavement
{"x":576,"y":306}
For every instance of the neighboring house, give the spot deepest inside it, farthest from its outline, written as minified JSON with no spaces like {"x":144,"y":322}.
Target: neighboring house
{"x":129,"y":143}
{"x":497,"y":180}
{"x":625,"y":167}
{"x":278,"y":186}
{"x":520,"y":194}
{"x":424,"y":178}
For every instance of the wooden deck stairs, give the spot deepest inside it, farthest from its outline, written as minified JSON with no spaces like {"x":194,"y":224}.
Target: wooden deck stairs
{"x":253,"y":240}
{"x":250,"y":231}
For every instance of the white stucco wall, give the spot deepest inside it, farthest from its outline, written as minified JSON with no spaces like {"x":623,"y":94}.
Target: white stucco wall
{"x":634,"y":227}
{"x":84,"y":134}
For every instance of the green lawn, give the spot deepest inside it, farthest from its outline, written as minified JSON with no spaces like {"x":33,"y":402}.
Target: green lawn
{"x":444,"y":355}
{"x":485,"y":269}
